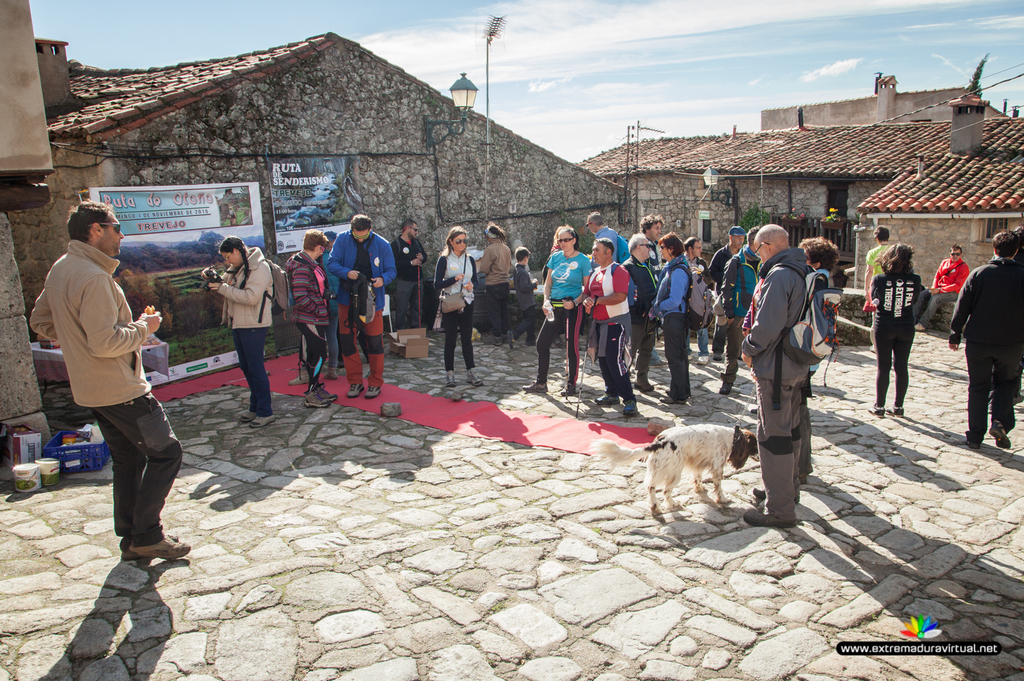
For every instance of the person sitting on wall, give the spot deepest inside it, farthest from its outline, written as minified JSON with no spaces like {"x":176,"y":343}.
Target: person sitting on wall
{"x":949,"y":279}
{"x":361,"y":252}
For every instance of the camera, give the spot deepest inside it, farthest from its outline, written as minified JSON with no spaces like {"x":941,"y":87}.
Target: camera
{"x":210,"y":276}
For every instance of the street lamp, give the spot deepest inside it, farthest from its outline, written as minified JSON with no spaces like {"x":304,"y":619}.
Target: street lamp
{"x":463,"y":96}
{"x":723,"y":196}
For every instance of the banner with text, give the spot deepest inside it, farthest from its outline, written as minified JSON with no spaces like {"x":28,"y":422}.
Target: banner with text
{"x":171,"y":234}
{"x":312,"y":193}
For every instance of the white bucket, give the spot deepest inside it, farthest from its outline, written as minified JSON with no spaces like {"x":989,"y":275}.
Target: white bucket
{"x":49,"y":471}
{"x":26,"y":477}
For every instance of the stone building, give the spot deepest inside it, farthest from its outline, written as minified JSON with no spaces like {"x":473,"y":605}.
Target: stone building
{"x":885,"y":105}
{"x":217,"y":120}
{"x":24,"y":164}
{"x":797,"y":175}
{"x":964,"y":194}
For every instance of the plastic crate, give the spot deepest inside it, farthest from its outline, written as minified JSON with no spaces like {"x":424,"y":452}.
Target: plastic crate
{"x":85,"y":456}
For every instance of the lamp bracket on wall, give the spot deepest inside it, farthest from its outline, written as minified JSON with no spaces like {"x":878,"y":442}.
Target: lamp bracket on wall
{"x":439,"y":131}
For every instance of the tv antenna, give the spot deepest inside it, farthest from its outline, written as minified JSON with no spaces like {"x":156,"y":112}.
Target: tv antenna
{"x":494,"y":29}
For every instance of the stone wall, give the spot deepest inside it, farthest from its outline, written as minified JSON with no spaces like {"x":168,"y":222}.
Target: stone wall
{"x":19,"y":399}
{"x":931,"y":239}
{"x":315,"y":107}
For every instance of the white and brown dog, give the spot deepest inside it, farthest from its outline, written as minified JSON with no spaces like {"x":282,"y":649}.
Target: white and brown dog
{"x":696,"y":449}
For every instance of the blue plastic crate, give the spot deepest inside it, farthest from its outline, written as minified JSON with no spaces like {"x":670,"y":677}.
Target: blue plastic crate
{"x":84,"y":456}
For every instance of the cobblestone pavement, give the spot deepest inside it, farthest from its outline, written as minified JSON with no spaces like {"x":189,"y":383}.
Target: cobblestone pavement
{"x":339,"y":544}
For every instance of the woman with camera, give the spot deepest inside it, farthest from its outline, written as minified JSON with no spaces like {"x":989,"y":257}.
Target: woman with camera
{"x":453,"y":279}
{"x":247,"y":310}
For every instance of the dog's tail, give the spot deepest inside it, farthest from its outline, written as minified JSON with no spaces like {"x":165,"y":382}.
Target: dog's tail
{"x":615,"y":454}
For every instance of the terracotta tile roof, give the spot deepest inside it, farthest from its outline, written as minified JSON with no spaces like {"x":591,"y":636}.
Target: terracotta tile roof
{"x":123,"y":99}
{"x":841,"y":151}
{"x":953,"y":184}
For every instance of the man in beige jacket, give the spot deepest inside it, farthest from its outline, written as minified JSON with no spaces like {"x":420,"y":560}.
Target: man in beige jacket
{"x":83,"y":307}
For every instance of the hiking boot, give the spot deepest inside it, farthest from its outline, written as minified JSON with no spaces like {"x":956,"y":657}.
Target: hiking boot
{"x":536,"y":387}
{"x":330,"y":397}
{"x":894,"y":411}
{"x":449,"y":379}
{"x":725,"y":389}
{"x":246,"y":416}
{"x":717,"y":357}
{"x":261,"y":421}
{"x":758,"y":519}
{"x":629,"y":408}
{"x":372,"y":392}
{"x":668,"y":399}
{"x":472,"y":379}
{"x":354,"y":390}
{"x":569,"y":391}
{"x":759,"y":494}
{"x":972,"y":445}
{"x":168,"y":548}
{"x":497,"y":340}
{"x":128,"y":554}
{"x":313,"y":399}
{"x":303,"y":377}
{"x":607,"y":400}
{"x":332,"y":374}
{"x":998,"y":433}
{"x":644,"y":386}
{"x":878,"y":410}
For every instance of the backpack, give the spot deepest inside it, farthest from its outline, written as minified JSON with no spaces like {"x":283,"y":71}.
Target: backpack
{"x":280,"y":292}
{"x":631,"y":292}
{"x":813,"y":338}
{"x":700,"y":303}
{"x":621,"y":250}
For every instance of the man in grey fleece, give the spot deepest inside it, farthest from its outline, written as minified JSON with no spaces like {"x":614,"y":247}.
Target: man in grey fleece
{"x":778,"y":303}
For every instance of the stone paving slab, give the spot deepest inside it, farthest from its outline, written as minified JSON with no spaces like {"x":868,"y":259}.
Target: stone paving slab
{"x":337,"y":544}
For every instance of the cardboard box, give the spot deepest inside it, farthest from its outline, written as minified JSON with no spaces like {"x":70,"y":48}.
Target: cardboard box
{"x":410,"y":343}
{"x":21,"y":445}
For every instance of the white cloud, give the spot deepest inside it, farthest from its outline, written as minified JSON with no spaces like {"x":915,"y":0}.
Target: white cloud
{"x":1002,"y":22}
{"x":833,"y":69}
{"x":951,"y":65}
{"x":918,"y":26}
{"x":542,"y":85}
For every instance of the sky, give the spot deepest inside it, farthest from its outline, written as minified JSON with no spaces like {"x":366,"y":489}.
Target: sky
{"x":571,"y":75}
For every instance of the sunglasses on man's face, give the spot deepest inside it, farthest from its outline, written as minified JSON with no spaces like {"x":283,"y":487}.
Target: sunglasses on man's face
{"x":954,"y":253}
{"x":115,"y":225}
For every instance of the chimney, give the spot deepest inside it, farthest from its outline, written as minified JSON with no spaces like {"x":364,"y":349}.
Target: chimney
{"x":734,"y":132}
{"x":885,"y":89}
{"x":968,"y":125}
{"x":920,"y":167}
{"x":800,"y":117}
{"x":878,"y":74}
{"x":52,"y":57}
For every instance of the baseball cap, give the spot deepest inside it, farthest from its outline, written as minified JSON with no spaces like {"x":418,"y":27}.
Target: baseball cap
{"x":737,"y":231}
{"x":331,"y":236}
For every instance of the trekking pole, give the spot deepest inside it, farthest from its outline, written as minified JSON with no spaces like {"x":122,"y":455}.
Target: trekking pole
{"x":579,"y":393}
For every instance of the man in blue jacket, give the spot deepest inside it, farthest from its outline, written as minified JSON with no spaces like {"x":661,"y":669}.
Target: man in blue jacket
{"x":361,"y":252}
{"x":737,"y":288}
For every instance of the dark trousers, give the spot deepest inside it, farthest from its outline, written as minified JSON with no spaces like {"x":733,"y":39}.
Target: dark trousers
{"x":719,"y":340}
{"x":528,"y":325}
{"x":616,"y":376}
{"x":676,"y":333}
{"x":501,"y":322}
{"x":893,"y":344}
{"x":458,"y":324}
{"x":644,"y":335}
{"x":803,"y":445}
{"x":733,"y":332}
{"x":991,"y":369}
{"x":570,"y":321}
{"x":249,"y":346}
{"x":778,"y":434}
{"x":408,"y":302}
{"x":146,"y":457}
{"x":312,"y":350}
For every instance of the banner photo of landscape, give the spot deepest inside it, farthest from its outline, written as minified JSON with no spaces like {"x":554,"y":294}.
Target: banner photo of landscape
{"x":312,"y":193}
{"x":172,"y":234}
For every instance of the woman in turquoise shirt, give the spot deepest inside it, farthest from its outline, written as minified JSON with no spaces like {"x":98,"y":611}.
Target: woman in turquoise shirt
{"x":563,"y":292}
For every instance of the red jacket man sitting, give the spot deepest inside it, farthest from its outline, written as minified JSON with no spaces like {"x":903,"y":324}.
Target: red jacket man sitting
{"x":949,"y":278}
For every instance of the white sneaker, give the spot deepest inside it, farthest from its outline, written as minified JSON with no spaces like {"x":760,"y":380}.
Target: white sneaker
{"x":703,"y":359}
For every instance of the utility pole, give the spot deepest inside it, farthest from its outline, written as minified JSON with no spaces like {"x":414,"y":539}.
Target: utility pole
{"x":493,"y":30}
{"x":636,"y":193}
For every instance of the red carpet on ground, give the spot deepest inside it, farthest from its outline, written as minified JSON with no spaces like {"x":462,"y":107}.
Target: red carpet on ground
{"x":475,"y":419}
